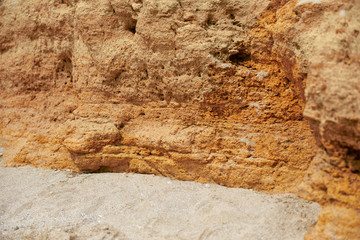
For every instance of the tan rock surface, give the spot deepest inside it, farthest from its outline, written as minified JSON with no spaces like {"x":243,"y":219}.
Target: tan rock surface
{"x":323,"y":37}
{"x":152,"y":87}
{"x":211,"y":91}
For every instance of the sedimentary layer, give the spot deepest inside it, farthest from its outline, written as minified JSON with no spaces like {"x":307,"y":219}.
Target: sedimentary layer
{"x":255,"y":94}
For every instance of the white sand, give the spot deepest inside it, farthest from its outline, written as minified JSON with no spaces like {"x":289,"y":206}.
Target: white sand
{"x":47,"y":204}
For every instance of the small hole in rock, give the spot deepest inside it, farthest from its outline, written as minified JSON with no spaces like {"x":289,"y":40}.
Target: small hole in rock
{"x":133,"y":30}
{"x":239,"y":57}
{"x":130,"y":25}
{"x":210,"y":21}
{"x":353,"y":153}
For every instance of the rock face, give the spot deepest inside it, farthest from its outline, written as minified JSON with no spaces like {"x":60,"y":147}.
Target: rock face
{"x":167,"y":87}
{"x":206,"y":90}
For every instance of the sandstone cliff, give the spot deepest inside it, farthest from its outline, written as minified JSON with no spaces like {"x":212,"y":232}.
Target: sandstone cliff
{"x":207,"y":90}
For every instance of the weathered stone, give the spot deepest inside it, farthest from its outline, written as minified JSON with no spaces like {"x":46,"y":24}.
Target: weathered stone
{"x":211,"y":91}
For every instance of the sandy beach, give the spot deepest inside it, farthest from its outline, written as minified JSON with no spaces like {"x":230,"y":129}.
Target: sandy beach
{"x":53,"y":204}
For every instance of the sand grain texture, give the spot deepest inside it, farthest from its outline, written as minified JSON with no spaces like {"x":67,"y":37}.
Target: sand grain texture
{"x":48,"y":204}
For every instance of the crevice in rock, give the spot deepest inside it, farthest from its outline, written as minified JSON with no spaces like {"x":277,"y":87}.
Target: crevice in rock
{"x":354,"y":153}
{"x":64,"y":71}
{"x":238,"y":57}
{"x":130,"y":25}
{"x":66,"y":2}
{"x":180,"y":4}
{"x":353,"y":160}
{"x":210,"y":21}
{"x":102,"y":169}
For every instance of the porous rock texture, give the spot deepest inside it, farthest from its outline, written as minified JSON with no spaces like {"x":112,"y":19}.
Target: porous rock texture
{"x":207,"y":90}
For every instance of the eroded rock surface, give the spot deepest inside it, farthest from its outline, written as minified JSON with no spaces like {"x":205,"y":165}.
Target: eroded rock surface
{"x":167,"y":87}
{"x":211,"y":91}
